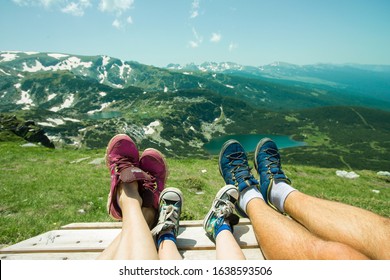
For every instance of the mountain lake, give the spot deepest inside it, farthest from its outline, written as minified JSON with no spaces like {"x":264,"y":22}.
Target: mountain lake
{"x":249,"y":142}
{"x":105,"y":115}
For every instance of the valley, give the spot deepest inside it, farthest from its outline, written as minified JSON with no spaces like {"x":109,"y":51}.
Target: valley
{"x":81,"y":102}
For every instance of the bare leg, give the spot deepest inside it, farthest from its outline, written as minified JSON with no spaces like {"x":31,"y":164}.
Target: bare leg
{"x":150,"y":216}
{"x":109,"y":252}
{"x":168,"y":251}
{"x":227,"y":247}
{"x":135,"y":241}
{"x":283,"y":238}
{"x":360,"y":229}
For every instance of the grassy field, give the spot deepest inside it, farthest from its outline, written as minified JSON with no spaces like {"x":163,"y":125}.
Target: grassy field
{"x":43,"y":189}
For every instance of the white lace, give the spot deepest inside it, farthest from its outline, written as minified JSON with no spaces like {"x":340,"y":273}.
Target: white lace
{"x":167,"y":219}
{"x":224,"y":209}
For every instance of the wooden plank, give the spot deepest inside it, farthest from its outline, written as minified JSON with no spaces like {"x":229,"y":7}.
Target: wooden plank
{"x":50,"y":256}
{"x":97,"y":225}
{"x":82,"y":240}
{"x":66,"y":240}
{"x":194,"y":238}
{"x":250,"y":254}
{"x":87,"y":240}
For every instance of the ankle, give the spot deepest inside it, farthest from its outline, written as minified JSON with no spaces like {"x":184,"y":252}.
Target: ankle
{"x":279,"y":192}
{"x":247,"y":195}
{"x":166,"y":235}
{"x":128,"y":193}
{"x":224,"y":226}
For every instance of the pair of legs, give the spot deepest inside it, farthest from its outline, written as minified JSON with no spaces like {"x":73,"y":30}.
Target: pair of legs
{"x":135,"y":241}
{"x":319,"y":229}
{"x":314,"y":228}
{"x":136,"y":197}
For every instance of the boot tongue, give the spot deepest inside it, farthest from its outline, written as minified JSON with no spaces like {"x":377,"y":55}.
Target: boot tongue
{"x":132,"y":173}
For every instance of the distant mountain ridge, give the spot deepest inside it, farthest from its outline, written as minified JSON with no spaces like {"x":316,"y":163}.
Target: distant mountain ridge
{"x":81,"y":101}
{"x":368,"y":80}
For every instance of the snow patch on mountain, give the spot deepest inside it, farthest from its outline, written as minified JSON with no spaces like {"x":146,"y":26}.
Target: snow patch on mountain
{"x":51,"y":96}
{"x":5,"y":73}
{"x":57,"y":55}
{"x":67,"y":64}
{"x":67,"y":104}
{"x":54,"y":122}
{"x":151,"y":128}
{"x":153,"y":131}
{"x":25,"y":99}
{"x":8,"y":57}
{"x":106,"y":60}
{"x":102,"y":107}
{"x":71,"y":120}
{"x":124,"y":69}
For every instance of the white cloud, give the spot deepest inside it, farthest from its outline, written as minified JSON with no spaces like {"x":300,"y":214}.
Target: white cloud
{"x":232,"y":46}
{"x":117,"y":24}
{"x":115,"y":6}
{"x":193,"y":44}
{"x":194,"y":9}
{"x":197,"y":39}
{"x":215,"y":37}
{"x":76,"y":9}
{"x":47,"y":3}
{"x":44,"y":3}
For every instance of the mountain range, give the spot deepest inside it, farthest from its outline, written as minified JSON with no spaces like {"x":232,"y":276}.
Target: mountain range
{"x":340,"y":111}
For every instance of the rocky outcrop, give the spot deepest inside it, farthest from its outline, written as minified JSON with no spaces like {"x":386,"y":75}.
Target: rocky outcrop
{"x":28,"y":130}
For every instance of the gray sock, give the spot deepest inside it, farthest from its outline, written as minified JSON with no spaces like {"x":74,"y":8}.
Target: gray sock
{"x":279,"y":192}
{"x":247,"y":195}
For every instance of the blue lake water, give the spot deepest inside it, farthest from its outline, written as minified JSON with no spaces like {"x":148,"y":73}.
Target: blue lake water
{"x":249,"y":142}
{"x":105,"y":115}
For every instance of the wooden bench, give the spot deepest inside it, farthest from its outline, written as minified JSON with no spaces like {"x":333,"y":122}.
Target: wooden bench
{"x":85,"y":241}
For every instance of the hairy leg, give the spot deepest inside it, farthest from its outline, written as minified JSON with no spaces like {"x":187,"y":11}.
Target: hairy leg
{"x":362,"y":230}
{"x":283,"y":238}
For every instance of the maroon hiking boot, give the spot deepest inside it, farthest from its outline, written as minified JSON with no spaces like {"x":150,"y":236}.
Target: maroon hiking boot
{"x":122,"y":159}
{"x":153,"y":162}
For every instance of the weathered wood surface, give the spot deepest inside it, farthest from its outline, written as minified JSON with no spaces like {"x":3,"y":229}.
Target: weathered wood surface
{"x":85,"y":241}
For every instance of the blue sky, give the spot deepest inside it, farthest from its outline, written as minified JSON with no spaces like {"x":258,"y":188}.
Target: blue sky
{"x":158,"y":32}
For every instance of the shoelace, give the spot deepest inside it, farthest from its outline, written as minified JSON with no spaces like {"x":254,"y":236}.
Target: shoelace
{"x":150,"y":184}
{"x":167,"y":220}
{"x":274,"y":161}
{"x":241,"y":169}
{"x":120,"y":163}
{"x":224,"y":209}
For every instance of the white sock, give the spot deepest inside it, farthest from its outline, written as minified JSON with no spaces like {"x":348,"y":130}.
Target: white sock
{"x":247,"y":195}
{"x":279,"y":192}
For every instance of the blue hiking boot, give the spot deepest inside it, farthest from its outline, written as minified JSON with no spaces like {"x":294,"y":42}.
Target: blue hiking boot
{"x":235,"y":170}
{"x":267,"y":164}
